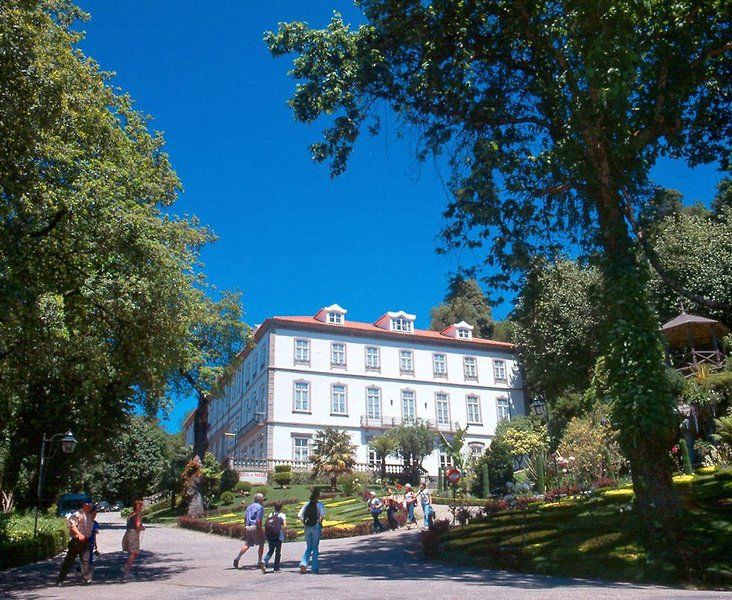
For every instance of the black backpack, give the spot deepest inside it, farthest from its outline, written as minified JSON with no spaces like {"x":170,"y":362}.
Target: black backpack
{"x":311,"y":514}
{"x":273,"y":526}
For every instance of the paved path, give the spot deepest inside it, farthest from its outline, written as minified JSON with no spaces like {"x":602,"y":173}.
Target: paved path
{"x":178,"y":563}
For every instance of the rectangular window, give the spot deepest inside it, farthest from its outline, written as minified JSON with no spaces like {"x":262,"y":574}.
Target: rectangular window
{"x":337,"y":354}
{"x":442,"y":408}
{"x":463,"y":334}
{"x":254,"y":365}
{"x":302,"y":352}
{"x":372,"y":458}
{"x":445,"y":460}
{"x":262,"y":357}
{"x":302,"y":397}
{"x":504,"y":409}
{"x":476,"y":450}
{"x":300,"y":449}
{"x":406,"y":361}
{"x":335,"y":318}
{"x":469,"y":368}
{"x":401,"y":324}
{"x":338,"y":399}
{"x":373,"y":403}
{"x":439,"y":365}
{"x":372,"y":358}
{"x":474,"y":409}
{"x":499,"y":370}
{"x":409,"y":406}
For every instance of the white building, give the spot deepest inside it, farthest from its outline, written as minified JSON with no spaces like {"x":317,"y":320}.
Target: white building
{"x":303,"y":373}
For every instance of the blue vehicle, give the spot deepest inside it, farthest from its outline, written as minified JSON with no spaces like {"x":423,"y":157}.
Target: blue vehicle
{"x":69,"y":503}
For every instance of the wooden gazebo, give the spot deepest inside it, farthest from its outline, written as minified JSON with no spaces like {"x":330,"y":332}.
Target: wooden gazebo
{"x":694,"y":343}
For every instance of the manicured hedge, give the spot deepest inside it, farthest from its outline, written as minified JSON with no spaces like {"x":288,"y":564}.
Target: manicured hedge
{"x":19,"y":547}
{"x":458,"y":501}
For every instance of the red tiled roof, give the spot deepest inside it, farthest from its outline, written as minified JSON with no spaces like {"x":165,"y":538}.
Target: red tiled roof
{"x":425,"y":334}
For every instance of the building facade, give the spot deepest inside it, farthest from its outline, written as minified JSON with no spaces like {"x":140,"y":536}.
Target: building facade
{"x":301,"y":374}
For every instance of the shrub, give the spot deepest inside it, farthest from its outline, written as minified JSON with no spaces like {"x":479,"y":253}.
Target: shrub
{"x":685,"y":458}
{"x":243,"y":486}
{"x":432,"y":539}
{"x":351,"y":484}
{"x":125,"y":512}
{"x":723,"y":475}
{"x":228,"y":497}
{"x":261,"y":490}
{"x":283,"y":478}
{"x":229,"y":478}
{"x":606,"y":482}
{"x":493,"y":506}
{"x":283,"y":469}
{"x":17,"y":544}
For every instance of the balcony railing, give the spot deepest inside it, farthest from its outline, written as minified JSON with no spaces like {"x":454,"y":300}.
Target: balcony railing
{"x":268,"y":464}
{"x":388,"y":422}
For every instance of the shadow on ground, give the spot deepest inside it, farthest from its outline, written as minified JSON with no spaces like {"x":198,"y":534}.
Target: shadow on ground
{"x":399,"y":557}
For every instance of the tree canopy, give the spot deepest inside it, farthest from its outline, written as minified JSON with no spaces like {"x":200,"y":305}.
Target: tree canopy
{"x":333,"y":454}
{"x":100,"y":284}
{"x":464,"y":301}
{"x":551,"y":116}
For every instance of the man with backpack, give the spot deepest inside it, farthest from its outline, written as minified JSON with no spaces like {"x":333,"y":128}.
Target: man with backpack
{"x":375,"y":507}
{"x":311,"y":514}
{"x":274,"y":531}
{"x":253,"y":531}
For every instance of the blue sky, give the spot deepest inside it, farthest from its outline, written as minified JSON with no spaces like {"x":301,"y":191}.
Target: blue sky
{"x":290,"y":238}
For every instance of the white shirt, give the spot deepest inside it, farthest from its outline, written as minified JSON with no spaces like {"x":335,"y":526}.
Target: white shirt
{"x":321,"y":512}
{"x":425,"y":496}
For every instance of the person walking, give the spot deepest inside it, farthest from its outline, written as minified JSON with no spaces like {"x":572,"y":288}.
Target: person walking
{"x":425,"y":499}
{"x":311,"y":514}
{"x":81,"y":526}
{"x":375,"y":507}
{"x":253,"y":531}
{"x":93,"y":547}
{"x":131,"y":539}
{"x":392,"y":507}
{"x":410,"y":501}
{"x":274,"y":531}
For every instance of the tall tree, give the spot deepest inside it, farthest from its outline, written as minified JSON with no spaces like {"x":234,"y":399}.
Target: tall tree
{"x":216,"y":338}
{"x":383,"y":445}
{"x":465,"y":301}
{"x":96,"y":276}
{"x":333,"y":454}
{"x":553,"y":115}
{"x":414,"y":442}
{"x":556,"y":326}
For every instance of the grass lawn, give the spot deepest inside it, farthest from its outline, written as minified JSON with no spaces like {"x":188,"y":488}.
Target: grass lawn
{"x":339,"y":511}
{"x":600,"y":538}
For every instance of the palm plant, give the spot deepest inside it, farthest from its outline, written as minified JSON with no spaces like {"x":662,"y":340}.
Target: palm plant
{"x":383,"y":445}
{"x":333,"y":454}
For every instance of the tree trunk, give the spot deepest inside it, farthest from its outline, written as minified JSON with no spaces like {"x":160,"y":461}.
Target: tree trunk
{"x":200,"y":426}
{"x":643,"y":407}
{"x":333,"y":483}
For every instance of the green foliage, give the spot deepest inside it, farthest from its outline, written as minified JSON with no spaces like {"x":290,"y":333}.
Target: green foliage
{"x":465,"y":301}
{"x":243,"y":486}
{"x":485,"y":480}
{"x":590,"y":448}
{"x":497,"y":458}
{"x":177,"y":455}
{"x":695,"y":248}
{"x":283,"y":478}
{"x":333,"y":454}
{"x":414,"y":442}
{"x":228,"y":497}
{"x":536,"y":469}
{"x":724,"y":428}
{"x":685,"y":458}
{"x":557,"y":322}
{"x":352,"y":484}
{"x":229,"y":477}
{"x":133,"y":465}
{"x":282,"y":468}
{"x":211,"y":472}
{"x":96,"y":273}
{"x":552,"y":116}
{"x":454,"y":447}
{"x":17,"y":544}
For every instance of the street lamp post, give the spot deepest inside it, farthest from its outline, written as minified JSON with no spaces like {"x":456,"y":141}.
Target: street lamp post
{"x":68,"y":444}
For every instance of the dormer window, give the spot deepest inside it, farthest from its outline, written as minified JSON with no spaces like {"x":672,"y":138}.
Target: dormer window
{"x":332,"y":315}
{"x":335,"y":318}
{"x":459,"y":331}
{"x":401,"y":324}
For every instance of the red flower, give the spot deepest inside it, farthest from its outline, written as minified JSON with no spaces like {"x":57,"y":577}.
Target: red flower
{"x":399,"y":486}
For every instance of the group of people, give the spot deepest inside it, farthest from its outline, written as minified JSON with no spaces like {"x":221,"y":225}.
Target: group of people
{"x":273,"y":530}
{"x":393,"y":503}
{"x":83,"y":542}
